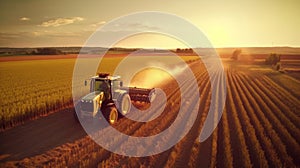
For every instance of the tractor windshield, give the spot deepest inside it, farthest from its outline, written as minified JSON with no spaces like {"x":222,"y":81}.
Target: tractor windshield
{"x":100,"y":85}
{"x":97,"y":85}
{"x":103,"y":86}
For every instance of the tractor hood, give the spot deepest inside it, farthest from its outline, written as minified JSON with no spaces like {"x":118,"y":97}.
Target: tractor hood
{"x":90,"y":96}
{"x":91,"y":102}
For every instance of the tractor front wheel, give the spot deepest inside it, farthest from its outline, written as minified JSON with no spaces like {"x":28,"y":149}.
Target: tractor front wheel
{"x":111,"y":115}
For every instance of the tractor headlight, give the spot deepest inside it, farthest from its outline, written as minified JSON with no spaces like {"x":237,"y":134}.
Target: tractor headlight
{"x":91,"y":101}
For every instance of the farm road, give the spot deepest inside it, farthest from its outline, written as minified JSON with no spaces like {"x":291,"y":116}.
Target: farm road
{"x":38,"y":136}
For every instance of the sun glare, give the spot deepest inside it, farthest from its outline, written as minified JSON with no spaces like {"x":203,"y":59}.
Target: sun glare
{"x":149,"y":78}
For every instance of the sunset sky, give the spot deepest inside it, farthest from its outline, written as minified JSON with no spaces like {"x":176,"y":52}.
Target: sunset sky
{"x":232,"y":23}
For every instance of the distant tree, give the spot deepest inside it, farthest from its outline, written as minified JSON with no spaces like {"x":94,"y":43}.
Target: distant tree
{"x":236,"y":54}
{"x":47,"y":51}
{"x":178,"y":50}
{"x":33,"y":52}
{"x":272,"y":59}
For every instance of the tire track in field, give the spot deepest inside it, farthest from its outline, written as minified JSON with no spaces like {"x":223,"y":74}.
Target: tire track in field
{"x":181,"y":153}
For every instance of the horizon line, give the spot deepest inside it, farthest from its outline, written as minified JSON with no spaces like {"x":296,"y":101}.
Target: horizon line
{"x":149,"y":47}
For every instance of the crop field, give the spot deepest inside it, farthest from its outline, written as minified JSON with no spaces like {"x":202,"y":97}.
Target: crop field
{"x":33,"y":88}
{"x":260,"y":124}
{"x":38,"y":87}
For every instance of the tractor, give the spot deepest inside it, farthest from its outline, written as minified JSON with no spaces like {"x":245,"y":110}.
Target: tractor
{"x":107,"y":95}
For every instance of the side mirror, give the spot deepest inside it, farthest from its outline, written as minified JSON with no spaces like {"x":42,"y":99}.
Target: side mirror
{"x":121,"y":83}
{"x":85,"y":83}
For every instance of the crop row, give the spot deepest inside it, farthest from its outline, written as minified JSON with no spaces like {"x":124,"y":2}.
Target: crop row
{"x":257,"y":154}
{"x":241,"y":154}
{"x":251,"y":107}
{"x":281,"y":128}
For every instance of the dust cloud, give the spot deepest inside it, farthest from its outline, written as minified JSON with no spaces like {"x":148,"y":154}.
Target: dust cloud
{"x":156,"y":75}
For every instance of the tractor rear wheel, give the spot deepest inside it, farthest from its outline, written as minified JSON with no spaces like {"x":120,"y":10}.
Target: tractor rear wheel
{"x":125,"y":104}
{"x":111,"y":115}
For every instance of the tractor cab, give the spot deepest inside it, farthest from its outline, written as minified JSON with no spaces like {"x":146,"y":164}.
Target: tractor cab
{"x":106,"y":84}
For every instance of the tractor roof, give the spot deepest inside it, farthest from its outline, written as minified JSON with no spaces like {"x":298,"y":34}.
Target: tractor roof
{"x":106,"y":76}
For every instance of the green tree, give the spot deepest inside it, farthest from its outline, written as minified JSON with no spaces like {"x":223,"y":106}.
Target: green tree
{"x":47,"y":51}
{"x":236,"y":54}
{"x":272,"y":59}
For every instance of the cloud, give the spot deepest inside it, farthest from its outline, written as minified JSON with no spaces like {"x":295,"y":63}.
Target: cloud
{"x":42,"y":38}
{"x":13,"y":36}
{"x":93,"y":26}
{"x":98,"y":24}
{"x":33,"y":35}
{"x":24,"y":19}
{"x":133,"y":26}
{"x":61,"y":21}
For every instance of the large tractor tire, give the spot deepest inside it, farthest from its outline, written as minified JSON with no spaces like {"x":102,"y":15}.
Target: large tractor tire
{"x":111,"y":115}
{"x":77,"y":108}
{"x":125,"y":104}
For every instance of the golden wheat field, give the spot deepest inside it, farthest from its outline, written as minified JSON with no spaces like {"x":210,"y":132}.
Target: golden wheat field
{"x":259,"y":127}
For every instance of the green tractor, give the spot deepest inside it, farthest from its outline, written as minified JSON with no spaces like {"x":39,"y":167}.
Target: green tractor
{"x":107,"y":95}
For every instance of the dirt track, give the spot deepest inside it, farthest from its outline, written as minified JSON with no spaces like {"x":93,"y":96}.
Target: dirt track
{"x":38,"y":136}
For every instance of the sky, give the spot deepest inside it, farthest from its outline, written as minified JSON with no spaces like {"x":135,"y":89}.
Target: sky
{"x":231,"y":23}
